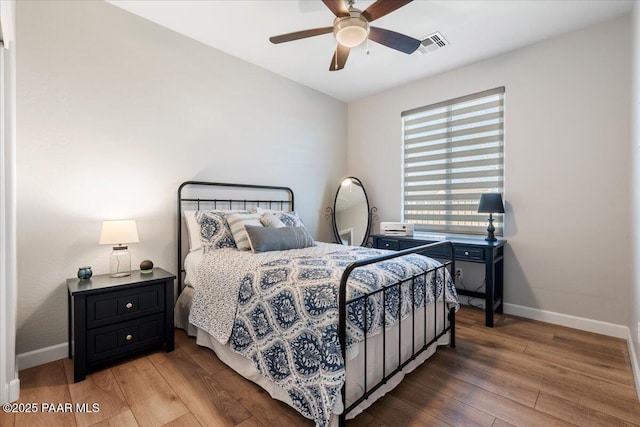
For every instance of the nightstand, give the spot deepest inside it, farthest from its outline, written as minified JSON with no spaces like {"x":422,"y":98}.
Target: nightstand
{"x":115,"y":317}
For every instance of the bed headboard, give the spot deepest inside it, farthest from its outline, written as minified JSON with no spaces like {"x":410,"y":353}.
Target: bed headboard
{"x":203,"y":195}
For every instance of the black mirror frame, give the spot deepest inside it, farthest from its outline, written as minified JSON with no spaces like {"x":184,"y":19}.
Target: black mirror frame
{"x":331,"y":212}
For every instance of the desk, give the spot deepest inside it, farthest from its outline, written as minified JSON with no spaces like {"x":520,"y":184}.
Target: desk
{"x":468,"y":249}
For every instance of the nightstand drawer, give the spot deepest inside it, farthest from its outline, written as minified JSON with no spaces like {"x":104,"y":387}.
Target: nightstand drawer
{"x":117,"y":306}
{"x":463,"y":253}
{"x":125,"y":337}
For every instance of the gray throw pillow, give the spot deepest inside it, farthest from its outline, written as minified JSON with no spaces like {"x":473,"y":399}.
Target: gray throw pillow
{"x":266,"y":239}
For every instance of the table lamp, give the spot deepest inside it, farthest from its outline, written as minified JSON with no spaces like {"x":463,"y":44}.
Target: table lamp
{"x":119,"y":233}
{"x":490,"y":203}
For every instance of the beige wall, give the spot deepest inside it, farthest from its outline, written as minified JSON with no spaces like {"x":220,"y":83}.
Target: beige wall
{"x":114,"y":112}
{"x":567,"y":165}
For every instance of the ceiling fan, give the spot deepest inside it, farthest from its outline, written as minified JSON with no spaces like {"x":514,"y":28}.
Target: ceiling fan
{"x":351,"y":28}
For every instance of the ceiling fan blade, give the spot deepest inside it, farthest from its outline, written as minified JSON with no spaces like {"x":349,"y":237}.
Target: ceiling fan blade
{"x":339,"y":58}
{"x":338,"y":7}
{"x":394,"y":40}
{"x":382,"y":8}
{"x":300,"y":35}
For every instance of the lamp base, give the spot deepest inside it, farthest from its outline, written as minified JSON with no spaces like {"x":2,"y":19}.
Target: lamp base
{"x":120,"y":262}
{"x":490,"y":230}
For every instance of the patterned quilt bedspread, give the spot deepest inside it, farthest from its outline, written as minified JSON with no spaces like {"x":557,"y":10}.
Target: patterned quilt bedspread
{"x":280,"y":310}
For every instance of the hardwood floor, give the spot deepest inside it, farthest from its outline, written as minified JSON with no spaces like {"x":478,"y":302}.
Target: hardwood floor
{"x":520,"y":373}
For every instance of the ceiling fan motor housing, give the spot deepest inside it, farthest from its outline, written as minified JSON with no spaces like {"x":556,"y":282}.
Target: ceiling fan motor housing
{"x":351,"y":31}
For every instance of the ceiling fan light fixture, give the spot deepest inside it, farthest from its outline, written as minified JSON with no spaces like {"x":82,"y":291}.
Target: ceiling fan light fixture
{"x":351,"y":31}
{"x":351,"y":28}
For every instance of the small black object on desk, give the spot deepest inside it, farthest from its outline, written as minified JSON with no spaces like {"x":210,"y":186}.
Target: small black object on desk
{"x":469,"y":249}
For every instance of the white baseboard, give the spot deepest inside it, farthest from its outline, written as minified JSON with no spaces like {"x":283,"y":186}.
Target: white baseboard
{"x":634,"y":363}
{"x":14,"y":390}
{"x":43,"y":355}
{"x":589,"y":325}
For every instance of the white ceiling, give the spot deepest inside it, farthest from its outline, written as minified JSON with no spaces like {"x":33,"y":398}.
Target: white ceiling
{"x":475,"y":30}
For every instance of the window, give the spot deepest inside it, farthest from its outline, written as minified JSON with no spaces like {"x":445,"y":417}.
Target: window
{"x":453,"y":152}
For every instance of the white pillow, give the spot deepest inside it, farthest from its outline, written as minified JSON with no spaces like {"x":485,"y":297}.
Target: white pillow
{"x":260,"y":210}
{"x":288,"y":218}
{"x":193,"y":227}
{"x":193,"y":230}
{"x":268,"y":219}
{"x":236,"y":222}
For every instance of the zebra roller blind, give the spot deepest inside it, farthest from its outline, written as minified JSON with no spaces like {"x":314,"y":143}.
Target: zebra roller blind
{"x":453,"y":152}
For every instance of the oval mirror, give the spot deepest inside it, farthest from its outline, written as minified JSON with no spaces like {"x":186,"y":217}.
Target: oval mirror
{"x":351,"y":213}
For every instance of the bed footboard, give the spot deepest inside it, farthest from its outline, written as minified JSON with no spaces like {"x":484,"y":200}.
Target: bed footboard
{"x":447,"y":316}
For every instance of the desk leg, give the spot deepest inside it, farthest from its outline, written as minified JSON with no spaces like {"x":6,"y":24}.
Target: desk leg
{"x":489,"y":286}
{"x":499,"y":269}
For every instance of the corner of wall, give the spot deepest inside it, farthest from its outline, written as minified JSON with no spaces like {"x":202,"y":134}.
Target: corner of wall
{"x":634,"y":317}
{"x":9,"y":383}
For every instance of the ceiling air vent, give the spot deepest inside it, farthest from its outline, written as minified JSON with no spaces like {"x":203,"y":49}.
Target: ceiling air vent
{"x":432,"y":42}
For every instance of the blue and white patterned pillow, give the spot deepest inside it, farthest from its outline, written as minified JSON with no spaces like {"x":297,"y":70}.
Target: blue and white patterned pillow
{"x":214,"y":231}
{"x":193,"y":225}
{"x":290,"y":219}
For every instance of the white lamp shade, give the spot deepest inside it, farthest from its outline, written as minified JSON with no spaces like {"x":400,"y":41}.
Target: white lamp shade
{"x":351,"y":31}
{"x":119,"y":232}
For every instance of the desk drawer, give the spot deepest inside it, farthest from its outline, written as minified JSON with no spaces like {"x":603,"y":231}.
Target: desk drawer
{"x":124,"y":338}
{"x":117,"y":306}
{"x":391,"y":244}
{"x":435,"y":252}
{"x":467,"y":253}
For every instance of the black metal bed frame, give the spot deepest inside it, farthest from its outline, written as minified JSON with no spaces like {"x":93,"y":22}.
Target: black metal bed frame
{"x":447,"y":315}
{"x":342,"y":310}
{"x":230,"y":203}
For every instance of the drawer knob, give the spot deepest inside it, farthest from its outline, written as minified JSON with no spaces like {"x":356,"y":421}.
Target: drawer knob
{"x":386,"y":244}
{"x":129,"y":305}
{"x":466,"y":253}
{"x":129,"y":337}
